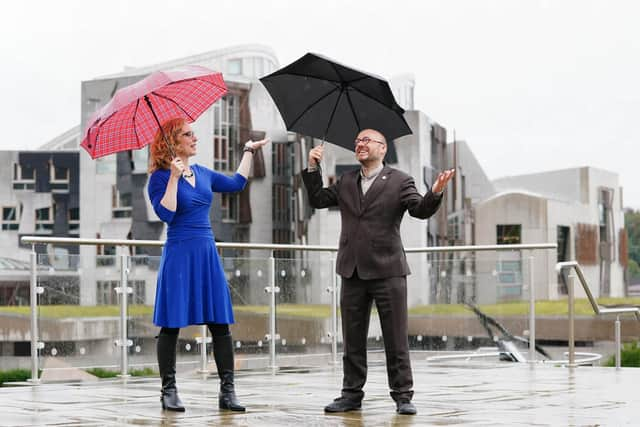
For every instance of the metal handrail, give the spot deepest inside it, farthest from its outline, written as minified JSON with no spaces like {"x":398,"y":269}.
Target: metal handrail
{"x":275,"y":246}
{"x":596,"y":308}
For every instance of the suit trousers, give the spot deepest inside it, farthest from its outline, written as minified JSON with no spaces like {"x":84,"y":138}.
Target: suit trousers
{"x":356,"y":299}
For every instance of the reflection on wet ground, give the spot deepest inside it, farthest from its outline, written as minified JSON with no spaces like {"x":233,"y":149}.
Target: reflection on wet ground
{"x":507,"y":394}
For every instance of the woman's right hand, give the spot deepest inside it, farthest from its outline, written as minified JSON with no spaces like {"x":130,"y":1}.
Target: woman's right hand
{"x":177,"y":168}
{"x":315,"y":155}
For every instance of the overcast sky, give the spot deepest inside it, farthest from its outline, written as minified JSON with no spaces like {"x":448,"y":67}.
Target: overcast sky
{"x":531,"y":85}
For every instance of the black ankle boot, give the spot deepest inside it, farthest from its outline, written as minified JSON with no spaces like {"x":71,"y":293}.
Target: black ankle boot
{"x":167,"y":364}
{"x":223,"y":355}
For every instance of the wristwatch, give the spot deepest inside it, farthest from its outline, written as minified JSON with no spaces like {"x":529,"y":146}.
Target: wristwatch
{"x":249,"y":149}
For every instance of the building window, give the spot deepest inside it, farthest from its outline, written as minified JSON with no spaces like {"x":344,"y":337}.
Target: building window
{"x":509,"y":234}
{"x":58,"y":178}
{"x":44,"y":219}
{"x":139,"y":160}
{"x":73,"y":218}
{"x":226,"y":133}
{"x":230,"y":206}
{"x":120,"y":203}
{"x":509,"y":273}
{"x":105,"y":255}
{"x":234,"y":66}
{"x":24,"y":177}
{"x":10,"y":218}
{"x":106,"y":292}
{"x":281,"y":204}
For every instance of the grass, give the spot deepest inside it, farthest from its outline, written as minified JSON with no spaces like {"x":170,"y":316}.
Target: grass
{"x":106,"y":373}
{"x":518,"y":308}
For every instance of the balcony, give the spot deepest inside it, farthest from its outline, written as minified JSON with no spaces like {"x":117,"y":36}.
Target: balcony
{"x":287,"y":316}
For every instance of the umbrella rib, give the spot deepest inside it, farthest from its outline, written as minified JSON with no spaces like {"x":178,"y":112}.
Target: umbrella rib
{"x":177,"y":105}
{"x":133,"y":119}
{"x":311,"y":106}
{"x":353,"y":111}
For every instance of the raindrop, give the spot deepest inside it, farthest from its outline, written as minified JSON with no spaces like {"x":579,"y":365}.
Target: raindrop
{"x":303,"y":341}
{"x":237,"y":273}
{"x":54,"y":351}
{"x":303,"y":273}
{"x":259,"y":273}
{"x":419,"y":338}
{"x":82,"y":351}
{"x":444,"y":338}
{"x":377,"y":337}
{"x":283,"y":273}
{"x":238,"y":344}
{"x":443,"y":274}
{"x":469,"y":338}
{"x":187,"y":347}
{"x":284,"y":341}
{"x":138,"y":349}
{"x":260,"y":343}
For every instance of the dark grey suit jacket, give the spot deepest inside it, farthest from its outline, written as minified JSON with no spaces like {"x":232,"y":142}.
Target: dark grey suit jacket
{"x":370,"y":238}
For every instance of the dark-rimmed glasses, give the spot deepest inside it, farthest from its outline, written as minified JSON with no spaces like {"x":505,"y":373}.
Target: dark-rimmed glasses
{"x":366,"y":140}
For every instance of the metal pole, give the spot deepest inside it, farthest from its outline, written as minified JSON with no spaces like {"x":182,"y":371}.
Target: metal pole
{"x":618,"y":343}
{"x":203,"y":349}
{"x":334,"y":313}
{"x":33,"y":292}
{"x":124,"y":296}
{"x":570,"y":292}
{"x":272,"y":313}
{"x":532,"y":314}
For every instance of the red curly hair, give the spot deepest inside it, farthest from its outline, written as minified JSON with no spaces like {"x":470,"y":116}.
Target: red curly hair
{"x":159,"y":154}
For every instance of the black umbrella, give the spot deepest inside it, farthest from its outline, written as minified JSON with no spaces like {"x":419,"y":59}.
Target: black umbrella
{"x":324,"y":99}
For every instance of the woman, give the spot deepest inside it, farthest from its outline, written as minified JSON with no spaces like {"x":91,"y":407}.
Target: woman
{"x":192,"y":288}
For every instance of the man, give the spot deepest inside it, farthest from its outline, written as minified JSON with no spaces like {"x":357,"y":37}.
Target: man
{"x":372,"y":262}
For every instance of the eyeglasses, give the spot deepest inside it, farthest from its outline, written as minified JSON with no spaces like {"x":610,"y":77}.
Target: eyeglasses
{"x":189,"y":134}
{"x":366,"y":140}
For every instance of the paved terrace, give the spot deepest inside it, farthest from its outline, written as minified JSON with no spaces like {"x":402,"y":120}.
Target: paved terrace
{"x":452,"y":393}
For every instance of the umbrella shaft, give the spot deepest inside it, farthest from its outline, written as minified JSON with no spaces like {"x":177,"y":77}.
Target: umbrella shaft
{"x":164,"y":136}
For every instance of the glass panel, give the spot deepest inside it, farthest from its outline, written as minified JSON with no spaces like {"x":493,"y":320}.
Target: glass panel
{"x":78,"y":335}
{"x":303,"y":315}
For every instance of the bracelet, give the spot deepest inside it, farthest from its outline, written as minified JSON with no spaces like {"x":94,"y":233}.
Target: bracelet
{"x":249,"y":149}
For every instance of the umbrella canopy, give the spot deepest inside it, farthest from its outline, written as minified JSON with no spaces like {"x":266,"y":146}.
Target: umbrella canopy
{"x":132,"y":117}
{"x":324,"y":99}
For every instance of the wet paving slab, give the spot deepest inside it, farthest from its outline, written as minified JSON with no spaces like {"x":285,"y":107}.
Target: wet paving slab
{"x":446,"y":394}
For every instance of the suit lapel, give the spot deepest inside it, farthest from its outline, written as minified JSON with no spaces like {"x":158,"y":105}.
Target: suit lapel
{"x":376,"y":188}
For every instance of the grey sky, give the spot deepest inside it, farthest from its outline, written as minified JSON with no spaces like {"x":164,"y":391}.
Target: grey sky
{"x":531,"y":85}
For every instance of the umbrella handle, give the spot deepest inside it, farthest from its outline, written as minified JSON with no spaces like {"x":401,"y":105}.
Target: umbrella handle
{"x":164,"y":136}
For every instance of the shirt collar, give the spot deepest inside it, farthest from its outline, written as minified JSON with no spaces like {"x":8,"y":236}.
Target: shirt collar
{"x":373,"y":173}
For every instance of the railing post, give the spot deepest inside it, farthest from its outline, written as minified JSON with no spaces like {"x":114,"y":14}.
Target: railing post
{"x":618,"y":342}
{"x":203,"y":340}
{"x":124,"y":290}
{"x":334,"y":313}
{"x":571,"y":297}
{"x":34,"y":290}
{"x":272,"y":289}
{"x":532,"y":313}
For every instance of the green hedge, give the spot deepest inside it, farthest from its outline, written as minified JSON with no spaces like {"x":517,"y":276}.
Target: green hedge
{"x":14,"y":375}
{"x":629,"y":356}
{"x":105,"y":373}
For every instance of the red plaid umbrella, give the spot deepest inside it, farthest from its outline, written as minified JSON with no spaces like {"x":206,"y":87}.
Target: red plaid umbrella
{"x":130,"y":120}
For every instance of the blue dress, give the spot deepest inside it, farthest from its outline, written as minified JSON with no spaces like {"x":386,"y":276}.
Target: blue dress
{"x":192,"y":288}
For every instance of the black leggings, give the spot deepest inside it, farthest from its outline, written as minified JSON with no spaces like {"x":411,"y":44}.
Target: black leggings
{"x":216,"y":329}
